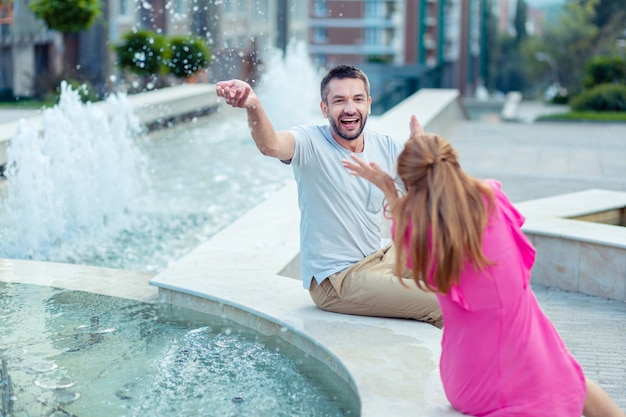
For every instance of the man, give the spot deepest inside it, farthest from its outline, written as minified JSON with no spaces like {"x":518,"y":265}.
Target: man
{"x":342,"y":264}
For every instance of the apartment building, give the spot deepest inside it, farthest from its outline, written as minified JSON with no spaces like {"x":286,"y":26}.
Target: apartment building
{"x":403,"y":44}
{"x":426,"y":43}
{"x":26,"y":49}
{"x":239,"y":33}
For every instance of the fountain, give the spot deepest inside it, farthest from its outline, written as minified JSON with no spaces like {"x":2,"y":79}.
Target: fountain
{"x":73,"y":183}
{"x":389,"y":364}
{"x":93,"y":188}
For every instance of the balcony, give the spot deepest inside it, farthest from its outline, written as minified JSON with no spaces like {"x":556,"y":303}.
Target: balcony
{"x":6,"y":13}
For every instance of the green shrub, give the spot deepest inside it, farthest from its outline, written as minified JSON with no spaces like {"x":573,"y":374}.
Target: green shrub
{"x":187,"y":55}
{"x":142,"y":52}
{"x":603,"y":97}
{"x":67,"y":16}
{"x":604,"y":70}
{"x":562,"y":97}
{"x":85,"y":92}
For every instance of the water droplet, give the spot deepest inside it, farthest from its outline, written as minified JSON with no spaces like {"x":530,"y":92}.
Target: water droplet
{"x":55,"y":383}
{"x":41,"y":367}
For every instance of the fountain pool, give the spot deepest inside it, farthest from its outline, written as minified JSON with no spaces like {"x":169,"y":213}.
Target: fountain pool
{"x":73,"y":353}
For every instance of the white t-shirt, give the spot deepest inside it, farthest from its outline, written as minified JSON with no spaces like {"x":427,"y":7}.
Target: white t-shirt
{"x":339,"y":213}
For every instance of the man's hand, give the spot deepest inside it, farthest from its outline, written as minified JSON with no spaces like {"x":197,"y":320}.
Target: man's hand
{"x":415,"y":126}
{"x":374,"y":174}
{"x":237,"y":93}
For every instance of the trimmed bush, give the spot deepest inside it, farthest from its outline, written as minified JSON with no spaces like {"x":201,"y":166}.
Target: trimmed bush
{"x":142,"y":52}
{"x":605,"y":70}
{"x":604,"y":97}
{"x":187,"y":56}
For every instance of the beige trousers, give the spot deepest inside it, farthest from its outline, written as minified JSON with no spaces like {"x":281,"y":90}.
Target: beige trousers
{"x":370,"y":288}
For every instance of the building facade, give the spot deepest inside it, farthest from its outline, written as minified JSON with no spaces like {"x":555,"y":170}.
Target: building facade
{"x":26,"y":49}
{"x":404,"y":45}
{"x":238,"y":32}
{"x":423,"y":43}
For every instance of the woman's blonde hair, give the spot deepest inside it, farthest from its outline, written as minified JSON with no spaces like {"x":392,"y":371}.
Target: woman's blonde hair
{"x":446,"y":210}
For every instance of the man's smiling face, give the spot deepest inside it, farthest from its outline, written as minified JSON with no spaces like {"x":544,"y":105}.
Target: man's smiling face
{"x":347,"y":106}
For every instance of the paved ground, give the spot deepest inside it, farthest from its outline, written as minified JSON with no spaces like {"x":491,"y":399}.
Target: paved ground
{"x":534,"y":160}
{"x":541,"y":159}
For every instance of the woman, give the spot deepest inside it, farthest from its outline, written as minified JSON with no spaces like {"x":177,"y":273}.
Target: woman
{"x":501,"y":355}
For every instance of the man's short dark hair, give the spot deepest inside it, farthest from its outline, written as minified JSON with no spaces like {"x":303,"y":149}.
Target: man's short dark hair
{"x":341,"y":72}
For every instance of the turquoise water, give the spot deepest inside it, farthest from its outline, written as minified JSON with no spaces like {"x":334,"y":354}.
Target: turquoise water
{"x":188,"y":183}
{"x":91,"y":188}
{"x":71,"y":353}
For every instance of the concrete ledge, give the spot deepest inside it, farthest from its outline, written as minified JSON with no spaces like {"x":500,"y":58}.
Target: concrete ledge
{"x":436,"y":110}
{"x":107,"y":281}
{"x":157,"y":107}
{"x":576,"y":255}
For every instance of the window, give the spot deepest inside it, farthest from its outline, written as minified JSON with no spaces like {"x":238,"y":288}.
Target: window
{"x":124,"y":7}
{"x":320,"y":35}
{"x":373,"y":37}
{"x":179,"y":6}
{"x":320,"y":8}
{"x":374,"y":10}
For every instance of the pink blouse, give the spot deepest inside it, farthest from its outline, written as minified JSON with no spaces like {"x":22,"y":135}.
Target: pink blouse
{"x":501,"y":355}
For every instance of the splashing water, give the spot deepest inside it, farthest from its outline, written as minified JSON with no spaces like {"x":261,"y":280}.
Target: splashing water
{"x":85,"y":188}
{"x":289,"y":89}
{"x":71,"y":180}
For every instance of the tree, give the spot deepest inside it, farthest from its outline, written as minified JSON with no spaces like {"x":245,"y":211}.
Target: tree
{"x":490,"y":46}
{"x":571,"y":42}
{"x":610,"y":18}
{"x":609,"y":13}
{"x":510,"y":73}
{"x":67,"y":17}
{"x":521,"y":16}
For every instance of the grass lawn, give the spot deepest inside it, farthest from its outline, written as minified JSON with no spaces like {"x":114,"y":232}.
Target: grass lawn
{"x":609,"y":116}
{"x":23,"y":104}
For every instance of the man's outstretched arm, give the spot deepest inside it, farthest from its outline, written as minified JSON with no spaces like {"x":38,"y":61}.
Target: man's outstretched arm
{"x":239,"y":94}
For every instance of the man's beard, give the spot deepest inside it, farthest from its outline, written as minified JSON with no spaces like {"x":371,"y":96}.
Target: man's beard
{"x":347,"y":136}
